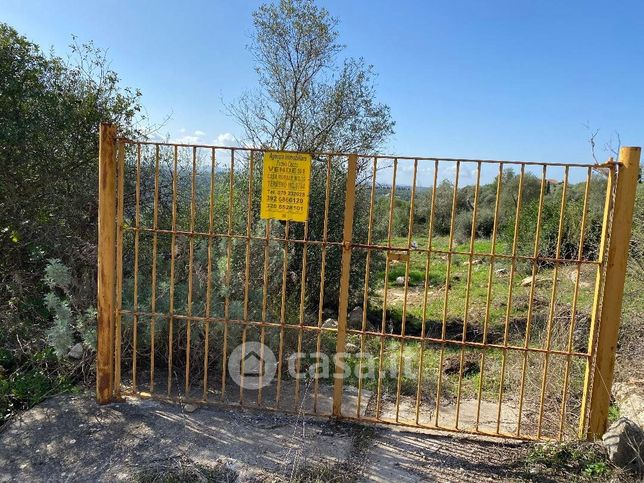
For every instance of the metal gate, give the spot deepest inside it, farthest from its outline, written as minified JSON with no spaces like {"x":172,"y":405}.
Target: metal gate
{"x":476,"y":296}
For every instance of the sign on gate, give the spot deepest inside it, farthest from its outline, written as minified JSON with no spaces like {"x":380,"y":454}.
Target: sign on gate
{"x":285,"y":186}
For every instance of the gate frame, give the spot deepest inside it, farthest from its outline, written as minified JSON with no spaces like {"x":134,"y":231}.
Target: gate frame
{"x":606,"y":311}
{"x":343,"y":300}
{"x":106,"y":283}
{"x":599,"y":377}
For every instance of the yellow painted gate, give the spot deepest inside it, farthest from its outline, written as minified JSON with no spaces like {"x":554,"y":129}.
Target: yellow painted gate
{"x":477,"y":296}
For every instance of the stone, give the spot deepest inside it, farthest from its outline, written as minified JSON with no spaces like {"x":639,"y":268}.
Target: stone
{"x":355,"y":318}
{"x":351,"y":348}
{"x":629,"y":397}
{"x":526,"y":282}
{"x":624,"y":442}
{"x":330,"y":324}
{"x":573,"y":278}
{"x":328,"y":313}
{"x":400,"y":281}
{"x":190,"y":408}
{"x":76,"y":352}
{"x":501,"y":271}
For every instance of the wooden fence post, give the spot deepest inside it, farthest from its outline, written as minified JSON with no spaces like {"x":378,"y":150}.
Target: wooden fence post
{"x":343,"y":302}
{"x":106,"y":262}
{"x":611,"y":307}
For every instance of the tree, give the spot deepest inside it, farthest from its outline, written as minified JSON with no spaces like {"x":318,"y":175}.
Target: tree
{"x":50,"y":110}
{"x":310,"y":100}
{"x":307,"y":100}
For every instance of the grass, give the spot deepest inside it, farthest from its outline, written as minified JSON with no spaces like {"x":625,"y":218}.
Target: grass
{"x":179,"y":470}
{"x":26,"y":383}
{"x":477,"y":293}
{"x":570,"y":461}
{"x":473,"y":285}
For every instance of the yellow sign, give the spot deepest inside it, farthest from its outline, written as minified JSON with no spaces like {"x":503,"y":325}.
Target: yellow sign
{"x":286,"y":183}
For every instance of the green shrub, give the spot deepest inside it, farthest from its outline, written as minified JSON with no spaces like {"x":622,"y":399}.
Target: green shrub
{"x":69,"y":319}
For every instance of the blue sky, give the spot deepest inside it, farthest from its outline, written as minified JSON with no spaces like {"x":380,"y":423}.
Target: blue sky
{"x":477,"y":79}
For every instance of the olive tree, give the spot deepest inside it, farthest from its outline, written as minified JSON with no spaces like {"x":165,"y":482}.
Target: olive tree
{"x":309,"y":99}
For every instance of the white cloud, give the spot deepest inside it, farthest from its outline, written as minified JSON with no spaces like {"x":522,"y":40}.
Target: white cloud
{"x":197,"y":137}
{"x":224,"y":139}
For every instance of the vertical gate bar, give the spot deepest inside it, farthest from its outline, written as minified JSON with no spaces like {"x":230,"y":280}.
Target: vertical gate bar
{"x":137,"y":226}
{"x":191,"y":253}
{"x":300,"y":334}
{"x":119,"y":266}
{"x":280,"y":350}
{"x":173,"y":251}
{"x":599,"y":282}
{"x":553,"y":303}
{"x":211,"y":222}
{"x":249,"y":216}
{"x":573,"y":309}
{"x":513,"y":261}
{"x":467,"y":290}
{"x":528,"y":325}
{"x":430,"y":234}
{"x":410,"y":231}
{"x":229,"y":254}
{"x":488,"y":297}
{"x":262,"y":331}
{"x":153,"y":294}
{"x":106,"y":262}
{"x":365,"y":295}
{"x":392,"y":200}
{"x":343,"y":301}
{"x":611,"y":309}
{"x":450,"y":246}
{"x":327,"y":200}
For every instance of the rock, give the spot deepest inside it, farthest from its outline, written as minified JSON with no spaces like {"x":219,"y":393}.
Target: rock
{"x":328,"y":313}
{"x":526,"y":282}
{"x":330,"y":324}
{"x":190,"y":408}
{"x":414,"y":245}
{"x":76,"y":352}
{"x":351,"y":348}
{"x":624,"y":442}
{"x":355,"y":318}
{"x":401,"y":281}
{"x":573,"y":278}
{"x":630,"y":400}
{"x":501,"y":271}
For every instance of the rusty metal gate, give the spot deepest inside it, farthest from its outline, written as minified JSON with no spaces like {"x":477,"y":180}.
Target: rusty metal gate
{"x":416,"y":294}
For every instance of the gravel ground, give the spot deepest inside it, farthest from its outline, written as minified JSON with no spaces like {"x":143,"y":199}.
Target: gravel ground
{"x":71,"y":438}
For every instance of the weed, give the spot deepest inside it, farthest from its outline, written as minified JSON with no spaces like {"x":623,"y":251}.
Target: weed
{"x":572,"y":461}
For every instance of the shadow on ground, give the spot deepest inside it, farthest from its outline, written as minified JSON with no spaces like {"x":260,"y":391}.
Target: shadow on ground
{"x":71,"y":438}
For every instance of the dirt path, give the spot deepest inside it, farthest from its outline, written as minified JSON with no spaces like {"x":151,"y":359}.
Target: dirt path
{"x":70,"y":438}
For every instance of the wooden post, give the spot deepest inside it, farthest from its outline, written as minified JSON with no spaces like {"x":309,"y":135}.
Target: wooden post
{"x":106,"y":262}
{"x":343,"y":303}
{"x":611,"y":308}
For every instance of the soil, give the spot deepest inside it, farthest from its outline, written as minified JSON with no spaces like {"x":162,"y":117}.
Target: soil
{"x":71,"y":438}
